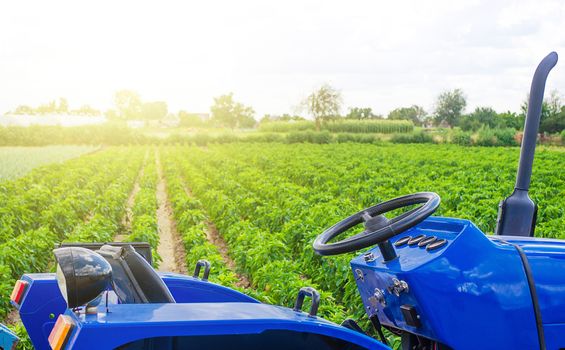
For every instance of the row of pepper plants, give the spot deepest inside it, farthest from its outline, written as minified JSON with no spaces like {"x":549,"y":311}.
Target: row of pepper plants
{"x":470,"y":182}
{"x":261,"y":254}
{"x":144,"y":226}
{"x":79,"y":200}
{"x":291,"y":193}
{"x":192,"y":224}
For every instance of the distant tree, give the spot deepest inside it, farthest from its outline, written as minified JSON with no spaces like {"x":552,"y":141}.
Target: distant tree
{"x":154,"y":110}
{"x":551,"y":109}
{"x":361,"y":113}
{"x":227,"y":112}
{"x":63,"y":106}
{"x":25,"y":110}
{"x":86,"y":110}
{"x":245,"y":117}
{"x":554,"y":103}
{"x":449,"y":107}
{"x":510,"y":120}
{"x":324,"y":103}
{"x":554,"y":123}
{"x":414,"y":113}
{"x":481,"y":116}
{"x":48,"y":108}
{"x":128,"y":104}
{"x":189,"y":119}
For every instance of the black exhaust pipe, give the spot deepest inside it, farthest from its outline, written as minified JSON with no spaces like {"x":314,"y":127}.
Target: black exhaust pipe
{"x":517,"y":213}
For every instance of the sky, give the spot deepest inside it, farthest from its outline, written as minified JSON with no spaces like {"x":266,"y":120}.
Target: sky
{"x":272,"y":54}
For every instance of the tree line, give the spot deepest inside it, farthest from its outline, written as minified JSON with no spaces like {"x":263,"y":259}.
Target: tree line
{"x":60,"y":106}
{"x":323,"y":104}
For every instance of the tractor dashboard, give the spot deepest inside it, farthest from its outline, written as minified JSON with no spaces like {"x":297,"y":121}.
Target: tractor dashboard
{"x":448,"y":280}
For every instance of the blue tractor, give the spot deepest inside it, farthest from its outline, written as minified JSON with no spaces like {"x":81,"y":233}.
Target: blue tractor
{"x":438,"y":283}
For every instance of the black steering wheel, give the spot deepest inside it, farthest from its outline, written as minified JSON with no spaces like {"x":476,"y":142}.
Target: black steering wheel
{"x":378,"y":229}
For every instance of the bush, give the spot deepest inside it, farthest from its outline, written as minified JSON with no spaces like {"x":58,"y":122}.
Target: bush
{"x":486,"y":137}
{"x":563,"y":136}
{"x":358,"y":138}
{"x":309,"y":136}
{"x":290,"y":126}
{"x":496,"y":137}
{"x":462,"y":138}
{"x":415,"y":137}
{"x":505,"y":137}
{"x":321,"y":137}
{"x":263,"y":137}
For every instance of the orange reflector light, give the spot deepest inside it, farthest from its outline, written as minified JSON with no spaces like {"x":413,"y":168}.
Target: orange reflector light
{"x":18,"y":291}
{"x":60,"y":333}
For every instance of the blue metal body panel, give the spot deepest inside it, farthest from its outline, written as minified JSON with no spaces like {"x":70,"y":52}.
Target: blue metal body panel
{"x":129,"y":323}
{"x":8,"y":339}
{"x":43,"y":301}
{"x":472,"y":292}
{"x":547,"y":260}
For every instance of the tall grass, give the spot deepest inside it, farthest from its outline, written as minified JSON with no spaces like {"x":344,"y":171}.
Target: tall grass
{"x":379,"y":126}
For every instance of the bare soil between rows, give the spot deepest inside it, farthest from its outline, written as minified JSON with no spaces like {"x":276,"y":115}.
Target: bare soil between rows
{"x":170,"y":246}
{"x":128,"y":217}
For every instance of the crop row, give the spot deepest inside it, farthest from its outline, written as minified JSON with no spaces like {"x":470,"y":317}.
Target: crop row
{"x":261,"y":196}
{"x":28,"y":203}
{"x":262,"y":255}
{"x":105,"y":219}
{"x":470,"y":181}
{"x":192,"y":225}
{"x":84,"y":203}
{"x":144,"y":226}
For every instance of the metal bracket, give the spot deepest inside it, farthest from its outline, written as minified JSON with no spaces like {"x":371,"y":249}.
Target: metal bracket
{"x":206,"y":265}
{"x":312,"y":293}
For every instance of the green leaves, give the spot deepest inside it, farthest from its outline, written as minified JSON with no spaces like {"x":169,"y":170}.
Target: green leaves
{"x":82,"y":201}
{"x":269,"y":201}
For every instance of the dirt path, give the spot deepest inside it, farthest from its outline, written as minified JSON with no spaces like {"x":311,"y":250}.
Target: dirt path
{"x":128,"y":216}
{"x":170,"y":246}
{"x":214,"y":237}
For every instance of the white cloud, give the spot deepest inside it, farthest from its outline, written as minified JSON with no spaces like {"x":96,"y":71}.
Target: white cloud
{"x":271,"y":54}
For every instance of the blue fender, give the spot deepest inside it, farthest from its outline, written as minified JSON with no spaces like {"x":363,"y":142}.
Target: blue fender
{"x":211,"y":326}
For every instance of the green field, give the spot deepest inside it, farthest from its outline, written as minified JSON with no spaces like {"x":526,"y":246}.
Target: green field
{"x":253,"y":209}
{"x":18,"y":161}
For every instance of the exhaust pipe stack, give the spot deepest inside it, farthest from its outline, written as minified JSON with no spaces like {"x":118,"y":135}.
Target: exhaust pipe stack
{"x":517,"y":214}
